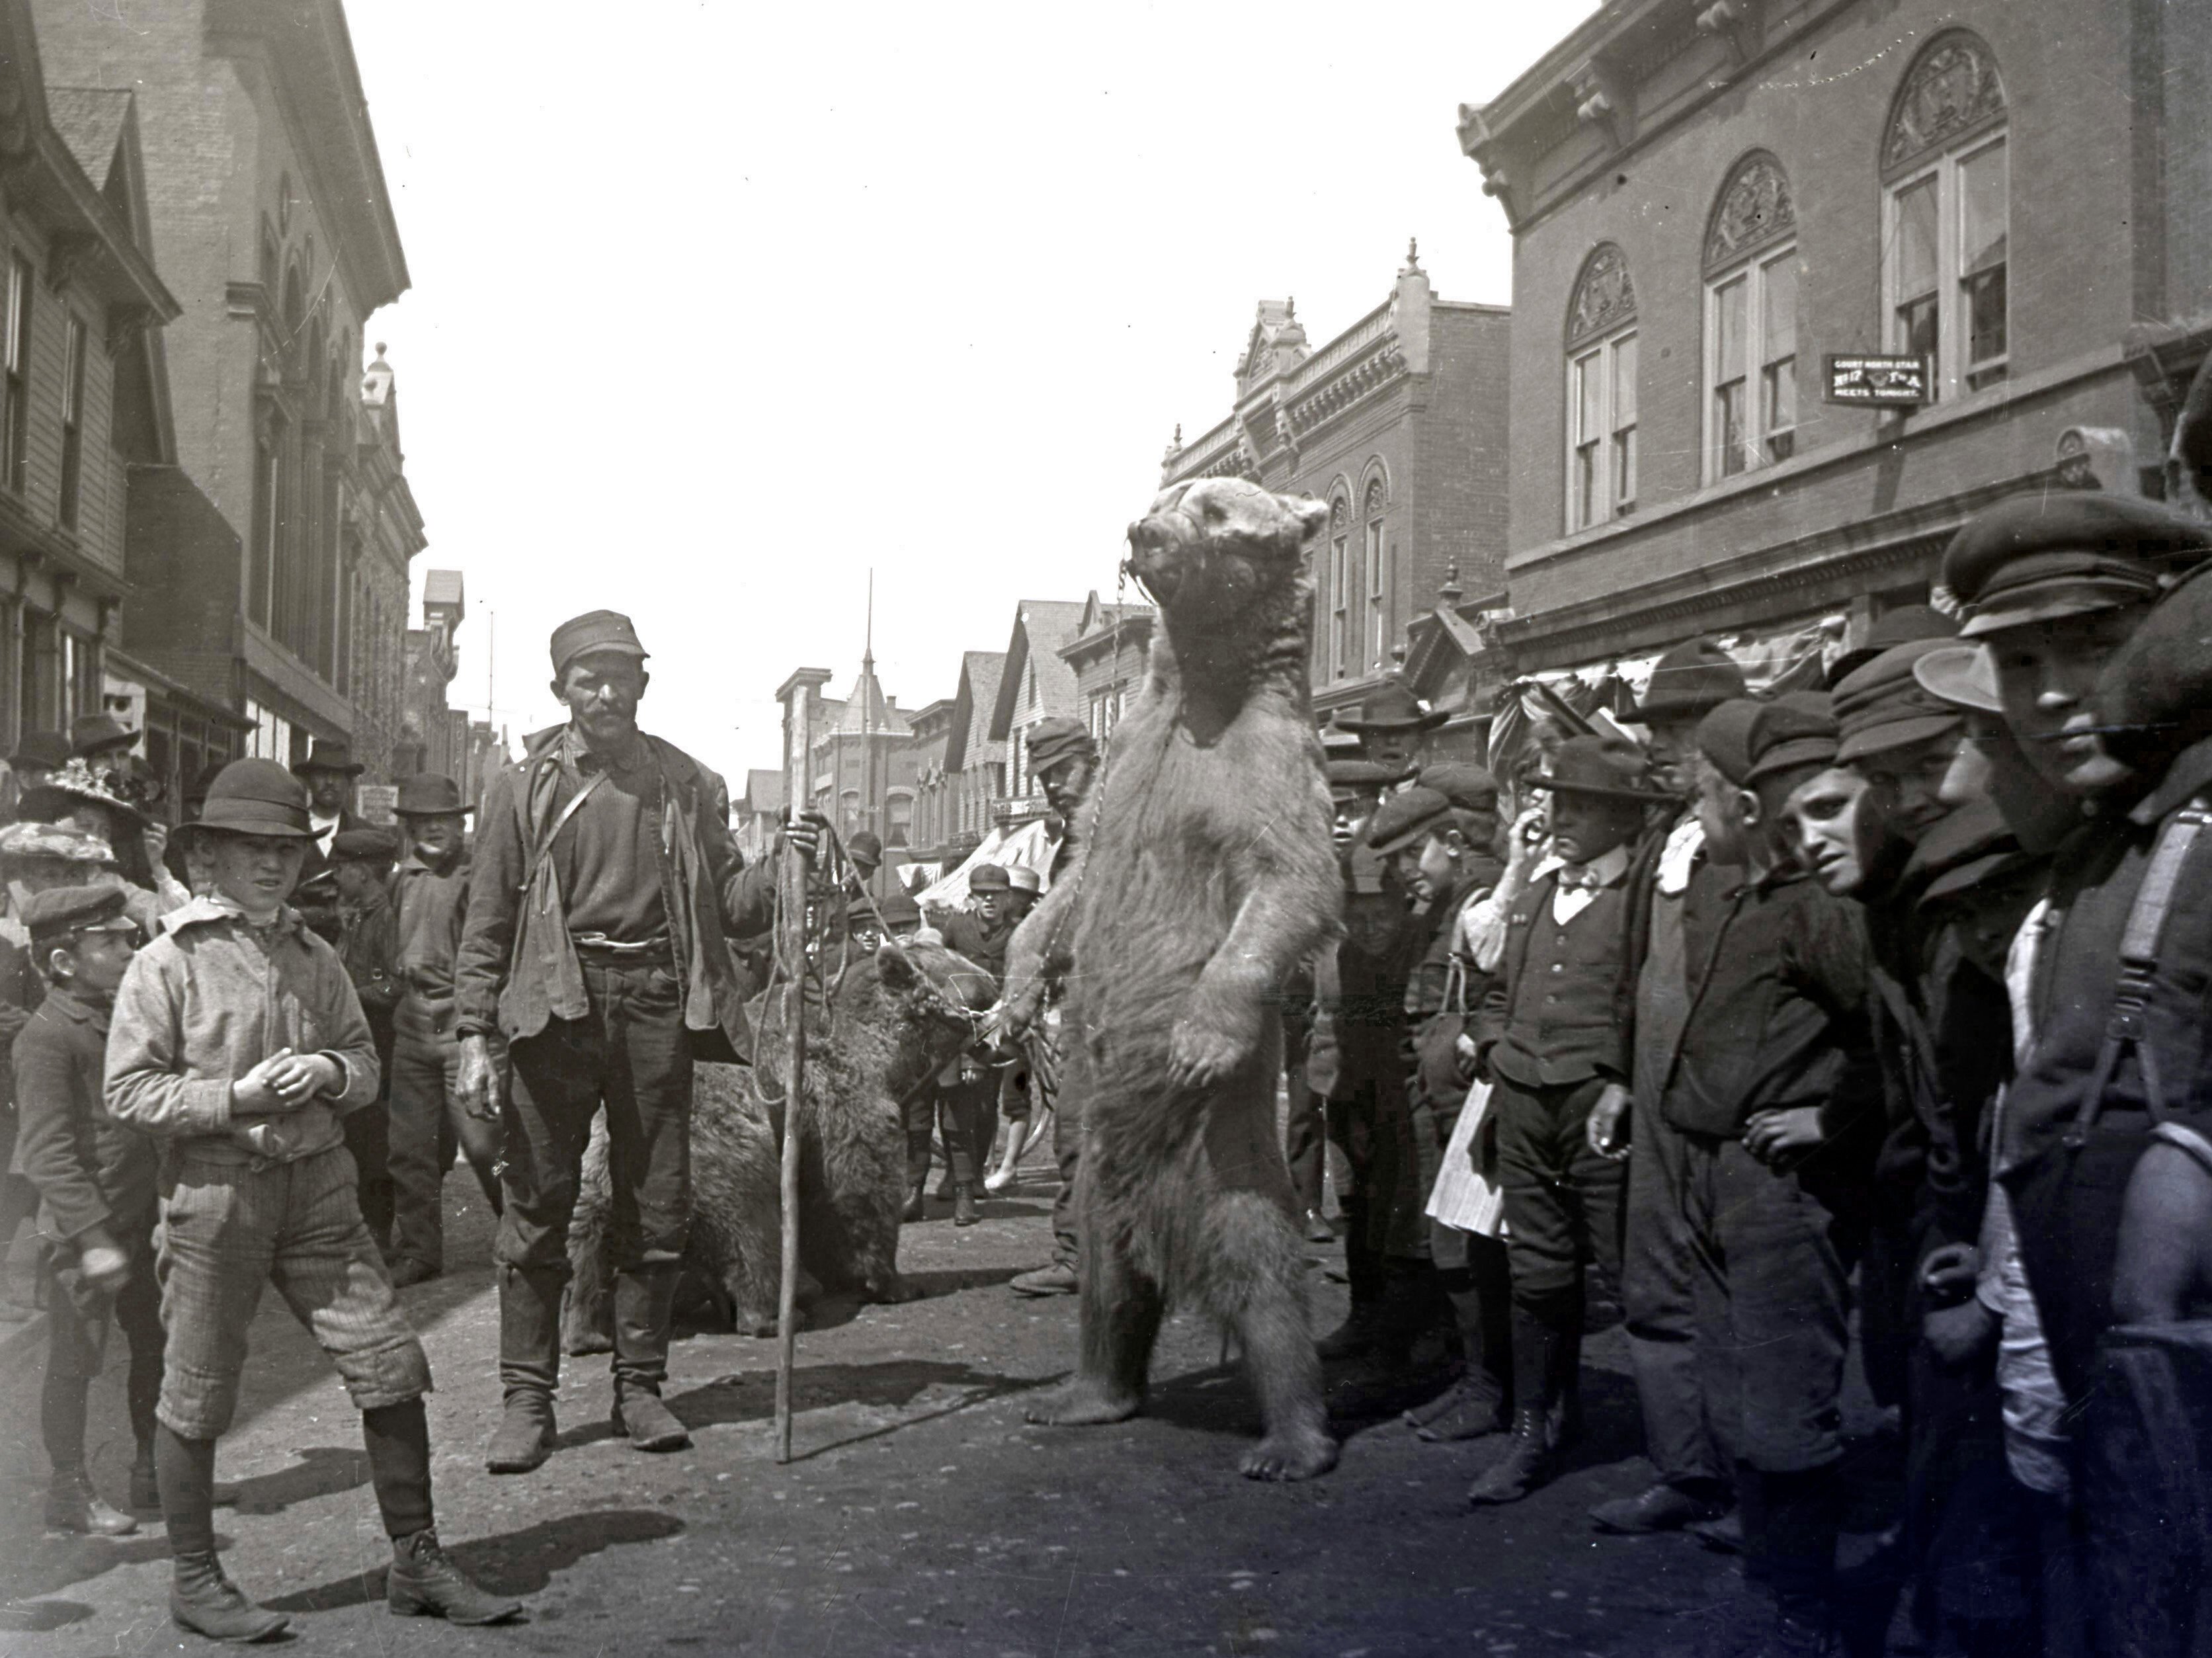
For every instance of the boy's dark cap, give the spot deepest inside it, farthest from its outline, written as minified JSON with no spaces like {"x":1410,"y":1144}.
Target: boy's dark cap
{"x":1724,"y":737}
{"x":47,"y":749}
{"x":1689,"y":682}
{"x":1898,"y":627}
{"x":2044,"y":557}
{"x":1792,"y":731}
{"x":364,"y":846}
{"x":594,"y":630}
{"x":428,"y":794}
{"x":1468,"y":787}
{"x":1407,"y":818}
{"x":96,"y":733}
{"x":988,"y":878}
{"x":256,"y":796}
{"x":1883,"y":706}
{"x":900,"y":909}
{"x":1056,"y":740}
{"x":1609,"y":767}
{"x":58,"y":911}
{"x":1360,"y":776}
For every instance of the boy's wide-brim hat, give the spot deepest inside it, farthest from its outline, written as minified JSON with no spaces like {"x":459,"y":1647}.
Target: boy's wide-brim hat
{"x":27,"y":841}
{"x":1607,"y":768}
{"x":1689,"y":682}
{"x":256,"y":796}
{"x":326,"y":756}
{"x":2044,"y":557}
{"x":594,"y":630}
{"x":1393,"y":708}
{"x":428,"y":794}
{"x":74,"y":784}
{"x":96,"y":733}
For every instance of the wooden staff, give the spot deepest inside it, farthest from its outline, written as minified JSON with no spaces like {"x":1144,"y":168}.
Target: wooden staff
{"x":794,"y":876}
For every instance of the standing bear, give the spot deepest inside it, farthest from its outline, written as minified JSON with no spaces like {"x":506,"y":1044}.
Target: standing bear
{"x":1202,"y":874}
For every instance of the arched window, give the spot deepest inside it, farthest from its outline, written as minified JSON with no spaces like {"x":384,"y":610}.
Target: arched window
{"x":1340,"y":585}
{"x":1378,"y":610}
{"x":1602,"y":390}
{"x":1946,"y":192}
{"x":1751,"y":320}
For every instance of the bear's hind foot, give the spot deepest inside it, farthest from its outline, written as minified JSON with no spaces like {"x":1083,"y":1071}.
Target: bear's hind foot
{"x":1297,"y":1456}
{"x":1083,"y":1403}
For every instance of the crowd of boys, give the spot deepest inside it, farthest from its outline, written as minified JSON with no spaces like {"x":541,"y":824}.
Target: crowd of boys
{"x":1876,"y":1013}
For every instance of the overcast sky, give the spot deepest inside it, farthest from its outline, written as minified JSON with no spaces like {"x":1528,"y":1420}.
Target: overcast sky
{"x":716,"y":307}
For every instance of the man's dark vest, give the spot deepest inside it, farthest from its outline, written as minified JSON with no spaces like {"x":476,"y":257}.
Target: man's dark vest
{"x":1563,"y":1004}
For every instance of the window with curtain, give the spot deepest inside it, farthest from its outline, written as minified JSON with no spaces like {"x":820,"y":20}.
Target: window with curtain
{"x":1751,"y":321}
{"x":1602,"y":393}
{"x":1946,"y":217}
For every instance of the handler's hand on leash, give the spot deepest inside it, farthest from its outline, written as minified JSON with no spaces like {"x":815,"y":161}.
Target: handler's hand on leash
{"x":477,"y":1083}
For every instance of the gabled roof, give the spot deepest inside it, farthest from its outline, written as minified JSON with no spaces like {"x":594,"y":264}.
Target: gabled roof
{"x":1041,"y":626}
{"x":866,"y":711}
{"x":1101,"y":620}
{"x":977,"y":695}
{"x":763,"y":791}
{"x":90,"y":121}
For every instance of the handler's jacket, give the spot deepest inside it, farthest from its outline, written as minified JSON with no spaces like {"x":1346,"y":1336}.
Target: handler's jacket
{"x":518,"y":968}
{"x":209,"y":1000}
{"x":430,"y":909}
{"x":2066,"y":1197}
{"x":92,"y":1172}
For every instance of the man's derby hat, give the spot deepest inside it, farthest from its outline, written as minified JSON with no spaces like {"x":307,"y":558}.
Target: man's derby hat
{"x":429,"y":794}
{"x":1393,"y":708}
{"x":1609,"y":767}
{"x":328,"y":756}
{"x":1689,"y":682}
{"x":97,"y":733}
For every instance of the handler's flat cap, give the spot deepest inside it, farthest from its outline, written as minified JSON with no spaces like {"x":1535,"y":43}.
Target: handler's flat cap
{"x":1350,"y":777}
{"x":1469,"y":788}
{"x":2042,"y":557}
{"x":96,"y":733}
{"x":1022,"y":879}
{"x":988,"y":878}
{"x":1608,"y":767}
{"x":1689,"y":682}
{"x":60,"y":841}
{"x":1054,"y":741}
{"x":47,"y":749}
{"x":256,"y":796}
{"x":1898,"y":627}
{"x":1790,"y":731}
{"x":595,"y":630}
{"x":1883,"y":706}
{"x":60,"y":911}
{"x":364,"y":846}
{"x":428,"y":794}
{"x":1965,"y":676}
{"x":1724,"y":737}
{"x":2155,"y":696}
{"x":1406,"y":818}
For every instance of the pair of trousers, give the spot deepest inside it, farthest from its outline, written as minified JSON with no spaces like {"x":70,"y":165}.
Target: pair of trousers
{"x":1772,"y":1298}
{"x":1563,"y":1202}
{"x":1305,"y":1129}
{"x":1658,"y":1273}
{"x":228,"y":1229}
{"x":1373,"y":1125}
{"x":367,"y":1139}
{"x":963,"y":1112}
{"x":78,"y":1319}
{"x":631,"y":1055}
{"x":427,"y":1125}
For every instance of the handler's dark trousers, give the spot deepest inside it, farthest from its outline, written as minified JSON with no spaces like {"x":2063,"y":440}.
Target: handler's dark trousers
{"x":1658,"y":1274}
{"x":631,"y":1054}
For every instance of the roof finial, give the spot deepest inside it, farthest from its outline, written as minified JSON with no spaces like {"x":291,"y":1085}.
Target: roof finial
{"x":1413,"y":256}
{"x":1451,"y":592}
{"x":1291,"y":309}
{"x":1178,"y":436}
{"x":380,"y":348}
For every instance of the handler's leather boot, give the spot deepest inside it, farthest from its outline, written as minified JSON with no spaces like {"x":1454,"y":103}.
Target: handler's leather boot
{"x":965,"y":1212}
{"x":424,"y":1583}
{"x":529,"y":1367}
{"x":917,"y":1198}
{"x":645,"y":1305}
{"x":204,"y":1601}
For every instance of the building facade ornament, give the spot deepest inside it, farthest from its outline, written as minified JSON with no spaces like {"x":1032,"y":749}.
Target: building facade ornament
{"x":1754,"y":210}
{"x":1952,"y":87}
{"x":1604,"y":297}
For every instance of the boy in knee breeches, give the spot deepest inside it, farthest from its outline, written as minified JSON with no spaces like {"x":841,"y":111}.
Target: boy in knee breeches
{"x":1551,"y":1039}
{"x":239,"y":1043}
{"x":95,"y":1181}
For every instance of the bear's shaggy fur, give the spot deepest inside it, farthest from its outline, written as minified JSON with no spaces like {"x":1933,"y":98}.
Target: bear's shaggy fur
{"x":894,"y":1019}
{"x":1204,"y":874}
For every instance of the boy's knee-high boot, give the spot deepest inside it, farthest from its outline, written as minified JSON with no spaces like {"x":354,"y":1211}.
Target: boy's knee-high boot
{"x":201,"y":1598}
{"x":529,"y":1367}
{"x":645,"y":1307}
{"x":1481,"y":1402}
{"x":1802,"y":1515}
{"x":422,"y":1582}
{"x":1529,"y":1458}
{"x":1363,"y":1268}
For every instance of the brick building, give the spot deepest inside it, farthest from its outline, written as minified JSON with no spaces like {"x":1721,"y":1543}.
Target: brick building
{"x":279,"y":531}
{"x":1399,"y":424}
{"x":434,"y":736}
{"x":84,"y":380}
{"x":919,"y":765}
{"x":1035,"y":682}
{"x":1707,"y":200}
{"x":958,"y":797}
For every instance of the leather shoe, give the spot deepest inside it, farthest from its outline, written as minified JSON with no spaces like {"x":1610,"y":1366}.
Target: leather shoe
{"x":525,"y":1437}
{"x":407,"y":1272}
{"x":651,"y":1425}
{"x":204,"y":1601}
{"x":73,"y":1506}
{"x":1526,"y":1465}
{"x":965,"y":1212}
{"x":916,"y":1197}
{"x":1057,"y":1279}
{"x":1318,"y":1231}
{"x":1660,"y":1508}
{"x":424,"y":1583}
{"x":1471,"y":1408}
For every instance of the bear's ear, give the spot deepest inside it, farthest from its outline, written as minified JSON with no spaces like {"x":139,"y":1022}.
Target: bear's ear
{"x":896,"y":968}
{"x":1310,"y":514}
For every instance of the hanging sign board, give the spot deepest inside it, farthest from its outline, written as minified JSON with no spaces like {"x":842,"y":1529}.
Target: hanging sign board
{"x":377,"y":804}
{"x":1901,"y":382}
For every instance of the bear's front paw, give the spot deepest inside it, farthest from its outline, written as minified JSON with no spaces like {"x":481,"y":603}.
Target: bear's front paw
{"x":1201,"y":1053}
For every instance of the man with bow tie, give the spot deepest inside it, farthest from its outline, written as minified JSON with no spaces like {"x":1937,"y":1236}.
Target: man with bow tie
{"x":606,"y":891}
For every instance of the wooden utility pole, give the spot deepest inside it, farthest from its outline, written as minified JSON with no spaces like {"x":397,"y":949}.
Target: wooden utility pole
{"x":793,"y":878}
